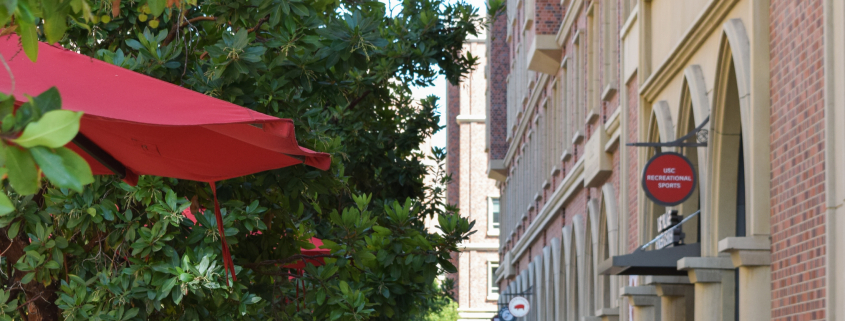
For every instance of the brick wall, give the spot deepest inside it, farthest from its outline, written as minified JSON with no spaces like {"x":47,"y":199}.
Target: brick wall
{"x":547,"y":16}
{"x":453,"y":139}
{"x":499,"y":69}
{"x":633,"y":167}
{"x":797,"y":156}
{"x":468,"y":161}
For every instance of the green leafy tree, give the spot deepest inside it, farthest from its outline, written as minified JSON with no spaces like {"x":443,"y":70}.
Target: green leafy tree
{"x":342,"y":70}
{"x":442,"y":307}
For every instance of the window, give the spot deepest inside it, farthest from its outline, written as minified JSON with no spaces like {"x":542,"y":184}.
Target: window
{"x":493,"y":216}
{"x":592,"y":60}
{"x":492,"y":286}
{"x":609,"y":53}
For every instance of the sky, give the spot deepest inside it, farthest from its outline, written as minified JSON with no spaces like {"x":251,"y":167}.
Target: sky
{"x":439,"y":87}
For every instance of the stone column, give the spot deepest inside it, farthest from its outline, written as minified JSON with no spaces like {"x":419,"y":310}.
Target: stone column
{"x":645,"y":301}
{"x":608,"y":314}
{"x":677,"y":297}
{"x":753,"y":257}
{"x":714,"y":286}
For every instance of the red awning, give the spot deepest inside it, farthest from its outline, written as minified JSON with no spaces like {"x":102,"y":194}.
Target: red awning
{"x":138,"y":125}
{"x":153,"y":127}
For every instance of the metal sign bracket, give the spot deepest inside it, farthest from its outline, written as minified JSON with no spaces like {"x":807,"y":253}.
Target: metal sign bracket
{"x":699,"y":132}
{"x":508,"y":296}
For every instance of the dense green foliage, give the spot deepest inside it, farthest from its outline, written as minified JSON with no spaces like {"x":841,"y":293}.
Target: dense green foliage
{"x":449,"y":312}
{"x":342,"y":70}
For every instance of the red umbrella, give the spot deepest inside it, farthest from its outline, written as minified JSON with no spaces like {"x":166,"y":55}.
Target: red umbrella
{"x":138,"y":125}
{"x":316,"y":261}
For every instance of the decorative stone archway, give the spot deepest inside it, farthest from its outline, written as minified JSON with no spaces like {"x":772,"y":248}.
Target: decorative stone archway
{"x":736,"y":188}
{"x":605,"y":245}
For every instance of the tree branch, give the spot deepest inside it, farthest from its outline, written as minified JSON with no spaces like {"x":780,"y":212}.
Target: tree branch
{"x":260,"y":22}
{"x":172,"y":34}
{"x":358,"y":100}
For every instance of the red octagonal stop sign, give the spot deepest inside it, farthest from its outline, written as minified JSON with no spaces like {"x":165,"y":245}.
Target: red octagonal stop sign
{"x":669,"y":179}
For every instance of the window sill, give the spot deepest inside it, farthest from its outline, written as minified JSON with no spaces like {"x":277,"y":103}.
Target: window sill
{"x":493,"y":297}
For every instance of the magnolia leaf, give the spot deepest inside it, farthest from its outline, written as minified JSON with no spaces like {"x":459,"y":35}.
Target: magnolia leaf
{"x":10,"y":5}
{"x":48,"y":101}
{"x":29,"y":39}
{"x":14,"y":229}
{"x":61,"y":242}
{"x":60,"y":172}
{"x":55,"y":26}
{"x":76,"y":165}
{"x":131,"y":313}
{"x":381,"y":230}
{"x":55,"y":129}
{"x":27,"y":278}
{"x":168,"y":285}
{"x":241,"y":39}
{"x":23,"y":176}
{"x":6,"y":205}
{"x":53,"y":168}
{"x":157,"y":6}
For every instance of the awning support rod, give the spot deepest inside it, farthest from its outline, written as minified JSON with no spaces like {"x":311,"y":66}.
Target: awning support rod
{"x":88,"y":146}
{"x":669,"y":229}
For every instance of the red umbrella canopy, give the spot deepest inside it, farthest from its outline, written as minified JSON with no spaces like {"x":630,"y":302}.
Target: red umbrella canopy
{"x":152,"y":127}
{"x":138,"y":125}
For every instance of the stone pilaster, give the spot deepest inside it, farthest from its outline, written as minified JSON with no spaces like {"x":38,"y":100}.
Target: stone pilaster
{"x":713,"y":278}
{"x":645,"y":301}
{"x":753,"y":257}
{"x":677,"y":297}
{"x":608,"y":314}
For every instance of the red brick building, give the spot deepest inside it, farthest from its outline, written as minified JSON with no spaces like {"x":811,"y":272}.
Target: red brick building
{"x":472,"y":191}
{"x":574,"y":82}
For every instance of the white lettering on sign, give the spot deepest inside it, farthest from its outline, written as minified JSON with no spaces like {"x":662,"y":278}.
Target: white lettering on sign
{"x":668,"y":185}
{"x":665,"y":240}
{"x":669,"y":170}
{"x":664,"y":222}
{"x":669,"y":178}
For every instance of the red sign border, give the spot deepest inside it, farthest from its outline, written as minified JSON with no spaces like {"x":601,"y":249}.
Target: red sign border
{"x":651,"y":196}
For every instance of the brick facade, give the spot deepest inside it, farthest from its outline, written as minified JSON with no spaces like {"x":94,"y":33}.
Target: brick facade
{"x":703,"y":59}
{"x":797,"y":156}
{"x":453,"y":151}
{"x":499,"y":66}
{"x":472,"y":192}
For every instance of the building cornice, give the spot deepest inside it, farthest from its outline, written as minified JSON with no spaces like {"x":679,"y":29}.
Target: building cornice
{"x":708,"y":21}
{"x":460,"y":119}
{"x":523,"y":122}
{"x":478,"y":246}
{"x":567,"y":189}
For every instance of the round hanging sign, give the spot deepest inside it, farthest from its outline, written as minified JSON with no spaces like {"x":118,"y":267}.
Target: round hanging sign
{"x":519,"y":307}
{"x":669,"y":179}
{"x":505,"y":314}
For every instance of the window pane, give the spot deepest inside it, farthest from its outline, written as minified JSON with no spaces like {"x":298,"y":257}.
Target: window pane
{"x":494,"y":288}
{"x":495,"y":211}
